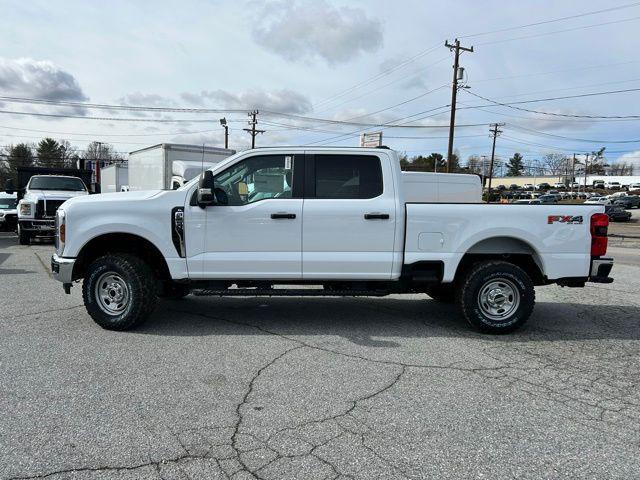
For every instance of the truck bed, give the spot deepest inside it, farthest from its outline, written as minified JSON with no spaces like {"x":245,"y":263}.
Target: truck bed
{"x":558,"y":236}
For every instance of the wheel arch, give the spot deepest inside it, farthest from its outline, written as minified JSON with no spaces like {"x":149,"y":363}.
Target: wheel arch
{"x":506,"y":248}
{"x":121,"y":242}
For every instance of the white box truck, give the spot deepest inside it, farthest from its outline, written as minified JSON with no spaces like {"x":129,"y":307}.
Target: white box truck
{"x":168,"y":166}
{"x":113,"y":178}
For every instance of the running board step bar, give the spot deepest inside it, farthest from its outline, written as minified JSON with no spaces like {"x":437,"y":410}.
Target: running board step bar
{"x":285,"y":292}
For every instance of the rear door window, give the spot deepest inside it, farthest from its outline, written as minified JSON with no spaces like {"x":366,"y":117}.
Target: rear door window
{"x":348,"y":176}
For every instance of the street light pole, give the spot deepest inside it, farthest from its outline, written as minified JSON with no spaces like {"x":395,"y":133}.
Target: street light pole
{"x":223,"y":122}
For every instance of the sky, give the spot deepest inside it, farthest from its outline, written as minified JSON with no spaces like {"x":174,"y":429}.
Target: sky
{"x":309,"y":65}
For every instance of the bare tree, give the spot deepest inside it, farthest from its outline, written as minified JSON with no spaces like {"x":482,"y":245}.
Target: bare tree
{"x":621,"y":168}
{"x":556,"y":163}
{"x":474,"y":164}
{"x":102,"y":151}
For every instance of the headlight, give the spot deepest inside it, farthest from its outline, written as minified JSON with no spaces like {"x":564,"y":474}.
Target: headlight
{"x":61,"y":231}
{"x":25,"y":209}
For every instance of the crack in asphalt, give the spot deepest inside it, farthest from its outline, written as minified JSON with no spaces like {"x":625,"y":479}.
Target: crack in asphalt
{"x":244,"y":401}
{"x":108,"y":468}
{"x":450,"y":366}
{"x":62,"y":309}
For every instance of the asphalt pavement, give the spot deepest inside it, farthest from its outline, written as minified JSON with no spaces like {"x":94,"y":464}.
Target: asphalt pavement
{"x":368,"y":388}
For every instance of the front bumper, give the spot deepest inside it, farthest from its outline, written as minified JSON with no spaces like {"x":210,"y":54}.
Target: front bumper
{"x":46,"y":226}
{"x":600,"y":270}
{"x":62,"y":268}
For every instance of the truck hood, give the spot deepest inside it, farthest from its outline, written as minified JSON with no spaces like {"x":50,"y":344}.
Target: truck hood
{"x":35,"y":195}
{"x":113,"y":198}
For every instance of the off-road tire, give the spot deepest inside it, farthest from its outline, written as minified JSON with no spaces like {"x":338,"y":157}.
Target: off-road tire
{"x":481,"y":275}
{"x":24,"y":237}
{"x":442,"y":293}
{"x":141,"y":283}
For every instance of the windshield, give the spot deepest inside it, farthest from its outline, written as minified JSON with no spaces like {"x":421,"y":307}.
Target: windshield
{"x":8,"y":203}
{"x":217,"y":167}
{"x":72,"y":184}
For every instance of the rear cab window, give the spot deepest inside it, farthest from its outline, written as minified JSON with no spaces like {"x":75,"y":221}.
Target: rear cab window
{"x":347,"y":176}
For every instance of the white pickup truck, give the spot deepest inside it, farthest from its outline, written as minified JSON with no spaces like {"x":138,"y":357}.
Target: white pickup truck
{"x":324,"y":222}
{"x":43,"y":195}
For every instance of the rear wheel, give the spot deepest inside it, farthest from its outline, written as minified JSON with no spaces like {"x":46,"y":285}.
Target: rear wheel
{"x":119,"y":291}
{"x":496,"y":297}
{"x":23,"y":236}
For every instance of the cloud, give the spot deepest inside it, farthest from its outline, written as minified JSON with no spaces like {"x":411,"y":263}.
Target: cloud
{"x":314,"y":29}
{"x":28,"y":78}
{"x":147,"y":100}
{"x":38,"y":79}
{"x":285,"y":101}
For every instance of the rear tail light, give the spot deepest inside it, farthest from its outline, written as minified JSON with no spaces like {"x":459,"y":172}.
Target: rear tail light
{"x":599,"y":224}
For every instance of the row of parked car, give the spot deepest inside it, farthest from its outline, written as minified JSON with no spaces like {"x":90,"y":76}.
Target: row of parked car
{"x":616,"y":205}
{"x":543,"y":186}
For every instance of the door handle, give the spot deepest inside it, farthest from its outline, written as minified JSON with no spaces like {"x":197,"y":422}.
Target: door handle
{"x":376,"y":216}
{"x":283,"y":216}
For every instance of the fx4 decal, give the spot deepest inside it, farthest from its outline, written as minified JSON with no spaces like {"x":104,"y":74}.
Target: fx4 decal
{"x":570,"y":219}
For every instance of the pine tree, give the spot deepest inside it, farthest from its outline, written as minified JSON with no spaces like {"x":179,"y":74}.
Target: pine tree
{"x":49,"y":153}
{"x":515,"y":167}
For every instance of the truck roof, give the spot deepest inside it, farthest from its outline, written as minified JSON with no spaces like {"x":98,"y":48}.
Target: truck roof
{"x":54,"y":175}
{"x":185,"y":148}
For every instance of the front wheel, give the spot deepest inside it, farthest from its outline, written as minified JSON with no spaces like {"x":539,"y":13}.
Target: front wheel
{"x":119,"y":291}
{"x":23,"y":236}
{"x":496,"y":297}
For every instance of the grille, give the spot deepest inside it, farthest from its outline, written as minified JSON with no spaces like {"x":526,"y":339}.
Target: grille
{"x":51,"y":207}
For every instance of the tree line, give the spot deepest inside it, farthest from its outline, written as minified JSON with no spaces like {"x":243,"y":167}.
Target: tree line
{"x":550,"y":164}
{"x":51,"y":153}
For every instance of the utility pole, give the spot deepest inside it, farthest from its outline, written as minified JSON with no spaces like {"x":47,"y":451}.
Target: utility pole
{"x":457,"y":75}
{"x":573,"y":172}
{"x":252,"y":131}
{"x":99,"y":155}
{"x":494,"y":132}
{"x":223,"y":122}
{"x":586,"y":165}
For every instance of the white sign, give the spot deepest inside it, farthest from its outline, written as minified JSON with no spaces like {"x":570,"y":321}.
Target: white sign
{"x":373,"y":139}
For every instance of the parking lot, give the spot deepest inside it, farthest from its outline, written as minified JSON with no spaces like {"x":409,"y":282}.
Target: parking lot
{"x":394,"y":387}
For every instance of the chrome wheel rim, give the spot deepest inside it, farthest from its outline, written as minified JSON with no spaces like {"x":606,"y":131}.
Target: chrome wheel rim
{"x":112,"y":293}
{"x":499,"y":299}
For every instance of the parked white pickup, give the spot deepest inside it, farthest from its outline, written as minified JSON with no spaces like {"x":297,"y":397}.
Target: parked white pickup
{"x":43,"y":195}
{"x":348,"y":221}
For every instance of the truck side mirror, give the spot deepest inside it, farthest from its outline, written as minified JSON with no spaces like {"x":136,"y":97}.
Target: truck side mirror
{"x":9,"y":187}
{"x":206,"y":194}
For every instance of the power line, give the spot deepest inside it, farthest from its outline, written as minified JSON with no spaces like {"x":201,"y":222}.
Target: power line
{"x":413,"y":99}
{"x":545,"y":134}
{"x":378,"y":76}
{"x":382,"y":86}
{"x":589,"y":67}
{"x":106,"y":106}
{"x":559,"y":31}
{"x":107,"y":134}
{"x":109,"y":119}
{"x":512,"y":104}
{"x":554,"y":20}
